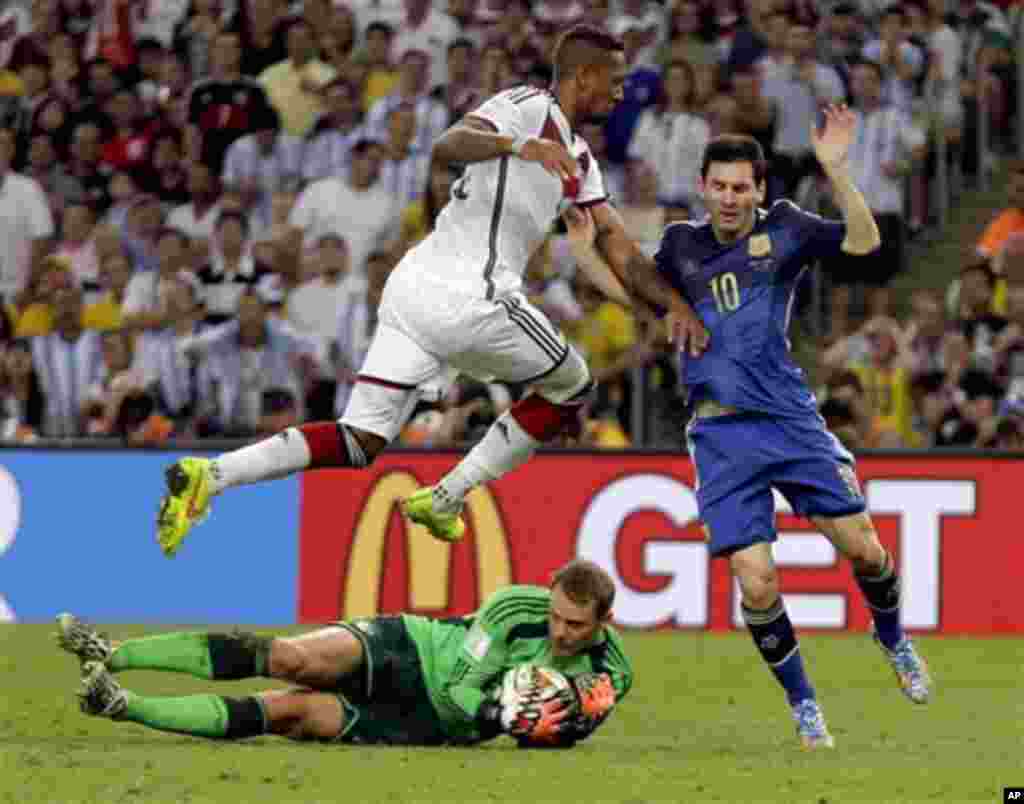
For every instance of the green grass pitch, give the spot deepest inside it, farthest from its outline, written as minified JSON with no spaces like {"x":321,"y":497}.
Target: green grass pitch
{"x":705,"y":722}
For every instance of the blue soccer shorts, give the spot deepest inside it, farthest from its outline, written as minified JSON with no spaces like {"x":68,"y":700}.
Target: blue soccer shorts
{"x":740,"y":457}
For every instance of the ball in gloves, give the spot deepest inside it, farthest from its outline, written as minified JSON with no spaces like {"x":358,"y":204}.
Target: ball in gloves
{"x":543,"y":697}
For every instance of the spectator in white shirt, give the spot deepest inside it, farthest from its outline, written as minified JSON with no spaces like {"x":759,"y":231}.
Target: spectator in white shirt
{"x":902,"y":61}
{"x":325,"y":207}
{"x":26,"y":225}
{"x":428,"y":30}
{"x":885,"y":147}
{"x":798,"y":92}
{"x":946,"y":66}
{"x":671,"y":139}
{"x":314,"y":305}
{"x":198,"y":217}
{"x":258,"y":165}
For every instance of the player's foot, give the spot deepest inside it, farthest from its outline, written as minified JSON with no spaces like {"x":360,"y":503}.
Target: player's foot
{"x":187,"y":502}
{"x":100,"y":694}
{"x":444,"y":525}
{"x":810,"y":725}
{"x":910,"y":669}
{"x":81,"y":639}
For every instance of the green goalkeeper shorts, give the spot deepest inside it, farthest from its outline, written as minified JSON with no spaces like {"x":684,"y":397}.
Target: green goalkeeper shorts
{"x":388,"y":702}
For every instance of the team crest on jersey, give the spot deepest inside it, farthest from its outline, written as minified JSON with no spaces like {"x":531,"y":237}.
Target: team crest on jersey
{"x":760,"y":245}
{"x":690,"y":267}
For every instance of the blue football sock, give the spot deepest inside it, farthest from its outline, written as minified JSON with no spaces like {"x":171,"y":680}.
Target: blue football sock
{"x":773,"y":634}
{"x":882,"y":593}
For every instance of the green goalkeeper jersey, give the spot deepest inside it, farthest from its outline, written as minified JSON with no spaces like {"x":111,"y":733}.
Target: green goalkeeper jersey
{"x":464,"y":658}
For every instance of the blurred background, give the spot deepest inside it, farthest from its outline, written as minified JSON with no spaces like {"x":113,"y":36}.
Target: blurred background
{"x":202,"y":201}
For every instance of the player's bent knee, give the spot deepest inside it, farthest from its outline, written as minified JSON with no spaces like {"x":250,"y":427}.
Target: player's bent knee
{"x":371,"y":443}
{"x":569,"y":384}
{"x":758,"y":586}
{"x":301,"y":714}
{"x":288,"y":661}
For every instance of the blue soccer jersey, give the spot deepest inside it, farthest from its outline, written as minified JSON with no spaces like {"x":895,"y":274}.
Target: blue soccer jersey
{"x":744,"y":293}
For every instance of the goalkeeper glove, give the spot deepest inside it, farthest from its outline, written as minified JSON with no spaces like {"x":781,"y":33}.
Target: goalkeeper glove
{"x":595,"y":694}
{"x":541,"y":722}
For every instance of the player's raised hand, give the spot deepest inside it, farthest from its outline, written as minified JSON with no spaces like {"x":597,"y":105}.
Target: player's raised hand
{"x":832,"y":141}
{"x":580,"y":226}
{"x":551,"y":155}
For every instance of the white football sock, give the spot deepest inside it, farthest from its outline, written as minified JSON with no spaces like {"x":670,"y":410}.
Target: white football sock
{"x":275,"y":457}
{"x":504,"y":447}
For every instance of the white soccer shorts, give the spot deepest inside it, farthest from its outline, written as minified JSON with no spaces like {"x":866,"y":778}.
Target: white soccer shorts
{"x":426,"y":329}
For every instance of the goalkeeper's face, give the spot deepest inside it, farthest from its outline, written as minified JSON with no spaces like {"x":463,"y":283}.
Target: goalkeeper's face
{"x":573,"y":626}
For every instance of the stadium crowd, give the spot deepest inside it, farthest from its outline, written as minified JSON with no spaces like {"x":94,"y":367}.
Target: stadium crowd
{"x":201,"y":202}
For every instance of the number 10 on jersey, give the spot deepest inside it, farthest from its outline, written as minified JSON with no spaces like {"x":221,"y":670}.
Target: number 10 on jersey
{"x":726,"y":291}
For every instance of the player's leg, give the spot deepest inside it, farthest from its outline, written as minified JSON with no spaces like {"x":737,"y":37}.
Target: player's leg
{"x":299,"y":714}
{"x":382,"y":399}
{"x":321,"y":659}
{"x":765,"y":615}
{"x":518,"y":344}
{"x":875,"y":572}
{"x":820,"y":483}
{"x":738,"y":511}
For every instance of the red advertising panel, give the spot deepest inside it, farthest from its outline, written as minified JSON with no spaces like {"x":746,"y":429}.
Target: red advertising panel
{"x":950,"y":522}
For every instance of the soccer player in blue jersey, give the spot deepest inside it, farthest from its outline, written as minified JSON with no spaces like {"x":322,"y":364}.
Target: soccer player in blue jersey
{"x":755,"y":424}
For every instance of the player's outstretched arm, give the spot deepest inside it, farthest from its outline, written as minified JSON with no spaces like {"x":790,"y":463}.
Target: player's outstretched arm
{"x":582,"y":234}
{"x":831,"y":147}
{"x":639,"y":275}
{"x":474,"y":139}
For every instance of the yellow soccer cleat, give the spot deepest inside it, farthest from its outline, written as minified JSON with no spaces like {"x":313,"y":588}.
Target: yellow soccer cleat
{"x":443,"y":525}
{"x":187,"y":502}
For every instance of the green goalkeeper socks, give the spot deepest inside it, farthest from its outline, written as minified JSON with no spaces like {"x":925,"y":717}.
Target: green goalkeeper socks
{"x":177,"y":653}
{"x":199,"y":715}
{"x":207,"y":656}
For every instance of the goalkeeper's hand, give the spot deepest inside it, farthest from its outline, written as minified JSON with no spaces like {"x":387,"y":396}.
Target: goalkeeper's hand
{"x":595,"y":695}
{"x":538,"y":721}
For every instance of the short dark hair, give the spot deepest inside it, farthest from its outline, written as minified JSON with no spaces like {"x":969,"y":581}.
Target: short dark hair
{"x":583,"y":46}
{"x":233,"y":215}
{"x":379,"y":25}
{"x":462,"y":42}
{"x":584,"y":582}
{"x":735,"y":148}
{"x":844,"y":379}
{"x":874,"y":65}
{"x":983,"y":266}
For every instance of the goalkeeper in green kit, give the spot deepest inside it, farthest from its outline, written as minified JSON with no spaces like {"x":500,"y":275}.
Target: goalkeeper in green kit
{"x":404,"y":680}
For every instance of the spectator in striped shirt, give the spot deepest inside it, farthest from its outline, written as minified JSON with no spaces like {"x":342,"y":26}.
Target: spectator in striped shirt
{"x":249,"y":355}
{"x":412,"y":89}
{"x":260,"y":164}
{"x":329,"y":147}
{"x":68,"y":361}
{"x":404,"y":168}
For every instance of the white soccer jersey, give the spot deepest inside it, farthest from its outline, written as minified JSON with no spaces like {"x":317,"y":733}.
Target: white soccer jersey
{"x":501,"y":209}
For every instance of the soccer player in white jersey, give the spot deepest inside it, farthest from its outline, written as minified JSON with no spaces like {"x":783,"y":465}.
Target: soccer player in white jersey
{"x":455,"y":300}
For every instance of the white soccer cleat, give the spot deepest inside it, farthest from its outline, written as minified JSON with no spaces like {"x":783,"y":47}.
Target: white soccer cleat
{"x":81,"y":639}
{"x":100,"y":694}
{"x":810,"y":725}
{"x":910,"y":669}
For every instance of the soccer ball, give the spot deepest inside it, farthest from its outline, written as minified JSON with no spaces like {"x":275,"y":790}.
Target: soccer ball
{"x":525,"y":679}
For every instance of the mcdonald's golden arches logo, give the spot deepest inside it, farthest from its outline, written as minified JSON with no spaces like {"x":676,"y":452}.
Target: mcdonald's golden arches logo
{"x":429,"y":559}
